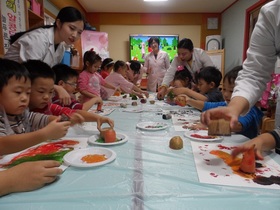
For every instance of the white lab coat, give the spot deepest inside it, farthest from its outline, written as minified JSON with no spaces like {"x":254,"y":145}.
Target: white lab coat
{"x":37,"y":44}
{"x":158,"y":67}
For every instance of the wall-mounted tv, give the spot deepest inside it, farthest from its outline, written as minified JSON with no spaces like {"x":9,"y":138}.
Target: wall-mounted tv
{"x":139,"y":45}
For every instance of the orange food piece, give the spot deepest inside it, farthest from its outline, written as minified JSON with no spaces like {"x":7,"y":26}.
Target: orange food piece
{"x":108,"y":134}
{"x":117,"y":93}
{"x":180,"y":100}
{"x":248,"y":164}
{"x":93,"y":158}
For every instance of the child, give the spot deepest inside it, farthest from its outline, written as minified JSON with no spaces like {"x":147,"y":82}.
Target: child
{"x":134,"y":72}
{"x":42,"y":88}
{"x":106,"y":67}
{"x":247,"y":125}
{"x":15,"y":118}
{"x":208,"y":79}
{"x":117,"y":78}
{"x":182,"y":78}
{"x":90,"y":81}
{"x":66,"y":77}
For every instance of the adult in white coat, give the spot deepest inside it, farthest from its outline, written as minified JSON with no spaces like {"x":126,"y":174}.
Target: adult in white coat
{"x":157,"y":62}
{"x":193,"y":58}
{"x":47,"y":43}
{"x":262,"y":55}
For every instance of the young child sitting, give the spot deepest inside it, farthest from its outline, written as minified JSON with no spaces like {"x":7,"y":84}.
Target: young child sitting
{"x":106,"y":67}
{"x":66,"y":77}
{"x":90,"y":82}
{"x":117,"y":79}
{"x":42,"y":88}
{"x":248,"y":125}
{"x":135,"y":71}
{"x":208,"y":79}
{"x":182,"y":78}
{"x":15,"y":118}
{"x":20,"y":129}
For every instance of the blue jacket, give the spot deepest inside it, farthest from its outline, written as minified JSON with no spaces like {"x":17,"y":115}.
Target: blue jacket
{"x":250,"y":122}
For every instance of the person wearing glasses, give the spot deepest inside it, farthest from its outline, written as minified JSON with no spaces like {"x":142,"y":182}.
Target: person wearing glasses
{"x":193,"y":58}
{"x":67,"y":77}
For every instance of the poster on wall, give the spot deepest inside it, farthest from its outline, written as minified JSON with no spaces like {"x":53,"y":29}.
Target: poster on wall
{"x":12,"y":18}
{"x":98,"y":41}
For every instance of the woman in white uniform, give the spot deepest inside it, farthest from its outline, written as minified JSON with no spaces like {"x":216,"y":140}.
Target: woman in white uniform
{"x":193,"y":58}
{"x":47,"y":43}
{"x":156,"y":62}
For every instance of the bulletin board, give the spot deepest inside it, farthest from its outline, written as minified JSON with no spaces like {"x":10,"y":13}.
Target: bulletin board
{"x":218,"y":58}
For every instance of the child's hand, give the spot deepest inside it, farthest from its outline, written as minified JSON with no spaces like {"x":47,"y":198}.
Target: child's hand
{"x":178,"y":91}
{"x":146,"y":94}
{"x":76,"y":118}
{"x":100,"y":120}
{"x":32,"y":175}
{"x":56,"y":129}
{"x":63,"y":95}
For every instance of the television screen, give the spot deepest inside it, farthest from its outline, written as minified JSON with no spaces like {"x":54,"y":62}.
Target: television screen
{"x":139,"y":45}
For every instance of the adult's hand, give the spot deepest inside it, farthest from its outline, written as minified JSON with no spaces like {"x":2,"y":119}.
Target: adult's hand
{"x":161,"y":93}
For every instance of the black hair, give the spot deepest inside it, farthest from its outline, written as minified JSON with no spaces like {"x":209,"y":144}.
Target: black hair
{"x":232,"y":74}
{"x":9,"y":69}
{"x":186,"y":44}
{"x":39,"y":69}
{"x":135,"y":66}
{"x":107,"y":62}
{"x":66,"y":14}
{"x":153,"y":38}
{"x":210,"y":74}
{"x":118,"y":65}
{"x":184,"y":75}
{"x":64,"y":72}
{"x":91,"y":57}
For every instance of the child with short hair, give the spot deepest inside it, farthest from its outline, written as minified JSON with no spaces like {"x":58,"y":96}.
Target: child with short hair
{"x":208,"y":82}
{"x":117,"y":78}
{"x":106,"y":67}
{"x":42,"y":88}
{"x":15,"y":118}
{"x":90,"y":81}
{"x":66,"y":77}
{"x":248,"y":125}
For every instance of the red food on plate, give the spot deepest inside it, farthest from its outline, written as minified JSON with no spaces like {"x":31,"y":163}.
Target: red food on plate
{"x":195,"y":135}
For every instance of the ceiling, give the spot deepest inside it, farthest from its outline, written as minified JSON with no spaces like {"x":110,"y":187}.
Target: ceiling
{"x":170,"y":6}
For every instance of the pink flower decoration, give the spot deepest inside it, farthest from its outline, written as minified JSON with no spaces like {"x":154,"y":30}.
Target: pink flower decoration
{"x":180,"y":68}
{"x":270,"y":94}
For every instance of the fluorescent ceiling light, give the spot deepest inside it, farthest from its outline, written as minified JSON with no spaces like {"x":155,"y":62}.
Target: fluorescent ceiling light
{"x":155,"y":0}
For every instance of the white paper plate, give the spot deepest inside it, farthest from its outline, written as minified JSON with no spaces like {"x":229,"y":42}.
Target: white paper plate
{"x":152,"y":126}
{"x":115,"y":98}
{"x":74,"y":158}
{"x":89,"y":126}
{"x":92,"y":140}
{"x":189,"y":134}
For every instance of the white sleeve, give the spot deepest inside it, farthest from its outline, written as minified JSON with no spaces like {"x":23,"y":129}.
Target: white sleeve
{"x":261,"y":57}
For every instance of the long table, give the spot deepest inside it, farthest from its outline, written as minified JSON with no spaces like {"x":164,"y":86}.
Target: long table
{"x":146,"y":174}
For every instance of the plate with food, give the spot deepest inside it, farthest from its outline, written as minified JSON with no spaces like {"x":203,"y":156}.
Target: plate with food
{"x":202,"y":135}
{"x":152,"y":126}
{"x":89,"y":157}
{"x":97,"y":140}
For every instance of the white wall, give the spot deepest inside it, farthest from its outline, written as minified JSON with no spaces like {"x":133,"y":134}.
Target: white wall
{"x":118,"y":36}
{"x":233,"y":27}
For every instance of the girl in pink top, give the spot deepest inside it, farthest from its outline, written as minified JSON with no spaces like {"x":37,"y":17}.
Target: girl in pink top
{"x":117,"y":79}
{"x":90,"y":81}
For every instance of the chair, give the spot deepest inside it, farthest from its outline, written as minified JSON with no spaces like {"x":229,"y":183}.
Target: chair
{"x":268,"y":124}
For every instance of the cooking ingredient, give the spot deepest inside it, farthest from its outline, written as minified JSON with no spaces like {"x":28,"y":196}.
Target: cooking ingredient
{"x":176,"y":143}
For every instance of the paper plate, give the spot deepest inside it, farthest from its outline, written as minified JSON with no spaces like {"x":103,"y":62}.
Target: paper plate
{"x":152,"y":126}
{"x":74,"y":158}
{"x":202,"y":136}
{"x":93,"y":140}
